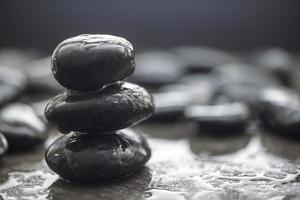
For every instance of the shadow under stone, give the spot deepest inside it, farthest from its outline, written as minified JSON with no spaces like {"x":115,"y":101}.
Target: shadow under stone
{"x":218,"y":145}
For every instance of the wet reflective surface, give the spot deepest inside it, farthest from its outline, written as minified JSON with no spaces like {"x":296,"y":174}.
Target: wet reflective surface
{"x":182,"y":167}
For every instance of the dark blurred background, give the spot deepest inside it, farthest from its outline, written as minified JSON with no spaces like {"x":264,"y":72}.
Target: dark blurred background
{"x":229,"y":24}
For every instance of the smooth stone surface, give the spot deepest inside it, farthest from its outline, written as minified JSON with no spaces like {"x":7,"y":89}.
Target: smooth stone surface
{"x":279,"y":111}
{"x":87,"y":62}
{"x":12,"y":85}
{"x":22,"y":127}
{"x":157,"y":68}
{"x":98,"y":157}
{"x":203,"y":59}
{"x":3,"y":145}
{"x":219,"y":119}
{"x":114,"y":107}
{"x":169,"y":106}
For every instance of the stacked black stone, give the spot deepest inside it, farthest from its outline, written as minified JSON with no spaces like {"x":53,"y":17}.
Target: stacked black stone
{"x":96,"y":105}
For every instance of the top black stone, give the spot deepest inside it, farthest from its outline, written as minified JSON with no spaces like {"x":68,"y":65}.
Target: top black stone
{"x":87,"y":62}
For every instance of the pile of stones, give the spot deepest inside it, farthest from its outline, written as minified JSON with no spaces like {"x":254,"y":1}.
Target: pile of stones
{"x":95,"y":109}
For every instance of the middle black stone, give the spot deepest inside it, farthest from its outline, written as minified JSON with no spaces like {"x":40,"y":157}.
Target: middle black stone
{"x":115,"y":107}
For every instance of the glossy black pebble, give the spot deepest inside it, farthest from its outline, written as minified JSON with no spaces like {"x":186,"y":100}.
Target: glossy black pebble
{"x":279,"y":112}
{"x":113,"y":108}
{"x":22,"y":127}
{"x":87,"y":62}
{"x":156,"y":68}
{"x":97,"y":157}
{"x":12,"y":84}
{"x":240,"y":83}
{"x":3,"y":145}
{"x":219,"y":119}
{"x":169,"y":106}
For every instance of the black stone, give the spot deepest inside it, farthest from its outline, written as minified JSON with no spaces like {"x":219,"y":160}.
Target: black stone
{"x":279,"y":111}
{"x":157,"y":68}
{"x":87,"y":62}
{"x":171,"y":100}
{"x":3,"y":145}
{"x":203,"y":59}
{"x":12,"y":84}
{"x":169,"y":106}
{"x":240,"y":83}
{"x":243,"y":93}
{"x":22,"y":127}
{"x":219,"y":119}
{"x":115,"y":107}
{"x":278,"y":62}
{"x":97,"y":157}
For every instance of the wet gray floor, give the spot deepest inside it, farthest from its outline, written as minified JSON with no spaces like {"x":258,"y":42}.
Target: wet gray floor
{"x":183,"y":166}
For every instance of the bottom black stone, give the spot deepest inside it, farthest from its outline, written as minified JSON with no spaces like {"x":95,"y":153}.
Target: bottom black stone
{"x":97,"y":157}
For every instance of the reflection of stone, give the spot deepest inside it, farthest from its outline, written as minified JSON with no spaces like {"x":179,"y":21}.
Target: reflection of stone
{"x":218,"y":145}
{"x":281,"y":146}
{"x":131,"y":188}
